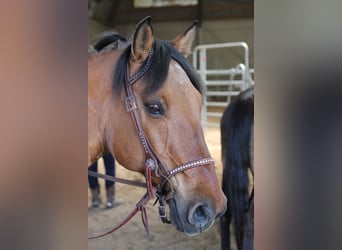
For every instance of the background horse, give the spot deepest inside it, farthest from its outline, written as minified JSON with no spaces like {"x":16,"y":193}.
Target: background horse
{"x":144,"y":103}
{"x":237,"y":140}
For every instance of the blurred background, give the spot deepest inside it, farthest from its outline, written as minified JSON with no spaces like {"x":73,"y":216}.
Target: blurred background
{"x":43,"y":78}
{"x":222,"y":53}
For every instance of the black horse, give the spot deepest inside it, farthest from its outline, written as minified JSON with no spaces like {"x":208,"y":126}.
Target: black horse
{"x":237,"y":140}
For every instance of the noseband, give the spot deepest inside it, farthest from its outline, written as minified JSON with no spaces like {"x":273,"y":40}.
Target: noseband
{"x":152,"y":163}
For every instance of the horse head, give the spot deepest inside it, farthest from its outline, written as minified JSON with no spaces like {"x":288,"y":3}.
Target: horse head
{"x":167,"y":97}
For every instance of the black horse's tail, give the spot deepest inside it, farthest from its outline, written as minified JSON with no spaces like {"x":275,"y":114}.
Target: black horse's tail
{"x":236,"y":131}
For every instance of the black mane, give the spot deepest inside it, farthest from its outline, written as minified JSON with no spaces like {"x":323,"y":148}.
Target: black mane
{"x":107,"y":41}
{"x":155,"y":77}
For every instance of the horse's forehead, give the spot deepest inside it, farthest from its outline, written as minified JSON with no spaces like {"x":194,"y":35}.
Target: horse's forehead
{"x":180,"y":88}
{"x":178,"y":75}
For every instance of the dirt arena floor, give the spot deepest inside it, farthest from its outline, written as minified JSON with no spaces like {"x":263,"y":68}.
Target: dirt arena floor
{"x":132,"y":236}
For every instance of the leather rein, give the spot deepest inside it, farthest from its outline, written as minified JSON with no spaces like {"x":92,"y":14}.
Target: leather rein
{"x":152,"y":163}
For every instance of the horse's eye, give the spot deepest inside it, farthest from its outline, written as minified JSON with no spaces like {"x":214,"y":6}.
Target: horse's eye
{"x":154,"y":108}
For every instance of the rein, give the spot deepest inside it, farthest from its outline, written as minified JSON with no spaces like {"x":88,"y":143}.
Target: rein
{"x":152,"y":163}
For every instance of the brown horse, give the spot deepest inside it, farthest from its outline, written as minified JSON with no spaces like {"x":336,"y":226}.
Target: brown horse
{"x":150,"y":81}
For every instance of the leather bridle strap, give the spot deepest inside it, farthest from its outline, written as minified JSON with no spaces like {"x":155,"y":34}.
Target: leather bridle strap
{"x":140,"y":206}
{"x":152,"y":163}
{"x":116,"y":179}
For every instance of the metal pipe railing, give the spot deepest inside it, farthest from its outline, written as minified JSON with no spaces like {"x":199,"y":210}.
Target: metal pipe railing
{"x":199,"y":60}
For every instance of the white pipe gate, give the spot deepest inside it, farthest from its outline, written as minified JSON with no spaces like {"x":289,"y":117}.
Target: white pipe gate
{"x":219,"y":92}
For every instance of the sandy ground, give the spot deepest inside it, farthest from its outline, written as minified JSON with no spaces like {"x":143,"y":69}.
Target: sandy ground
{"x":132,"y":236}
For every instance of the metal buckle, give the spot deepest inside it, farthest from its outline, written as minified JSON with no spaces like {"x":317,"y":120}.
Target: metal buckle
{"x":131,"y":103}
{"x":150,"y":162}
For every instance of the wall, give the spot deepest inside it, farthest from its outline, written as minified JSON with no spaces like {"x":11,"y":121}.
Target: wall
{"x":215,"y":31}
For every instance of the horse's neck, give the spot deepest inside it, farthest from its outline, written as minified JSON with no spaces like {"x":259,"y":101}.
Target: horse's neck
{"x":99,"y":94}
{"x":96,"y":146}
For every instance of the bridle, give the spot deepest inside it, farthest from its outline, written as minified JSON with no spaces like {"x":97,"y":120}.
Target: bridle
{"x":152,"y":163}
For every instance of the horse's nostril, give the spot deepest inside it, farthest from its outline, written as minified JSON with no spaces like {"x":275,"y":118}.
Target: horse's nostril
{"x":200,"y":216}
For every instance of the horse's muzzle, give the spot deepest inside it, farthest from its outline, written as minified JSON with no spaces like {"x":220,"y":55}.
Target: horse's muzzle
{"x":191,"y":219}
{"x":201,"y":216}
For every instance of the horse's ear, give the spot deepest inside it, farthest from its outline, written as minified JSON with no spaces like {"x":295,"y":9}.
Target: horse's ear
{"x":142,"y":40}
{"x":183,"y":42}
